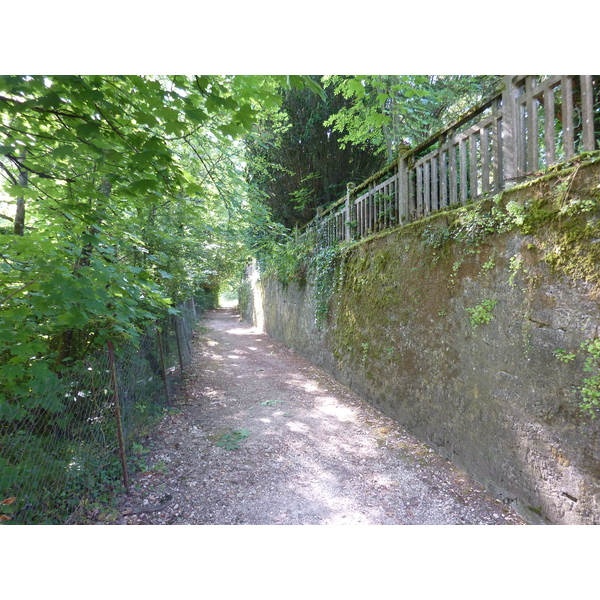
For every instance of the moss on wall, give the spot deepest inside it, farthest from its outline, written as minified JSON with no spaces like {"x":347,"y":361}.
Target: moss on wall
{"x":455,"y":326}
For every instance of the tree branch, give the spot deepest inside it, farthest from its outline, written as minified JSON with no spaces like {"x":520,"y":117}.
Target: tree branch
{"x":19,"y":164}
{"x":10,"y":175}
{"x":114,"y":128}
{"x":71,"y":115}
{"x":20,"y":289}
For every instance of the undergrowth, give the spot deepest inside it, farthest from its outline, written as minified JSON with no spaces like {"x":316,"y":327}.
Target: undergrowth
{"x":482,"y":312}
{"x":295,"y":259}
{"x":589,"y":391}
{"x":323,"y":265}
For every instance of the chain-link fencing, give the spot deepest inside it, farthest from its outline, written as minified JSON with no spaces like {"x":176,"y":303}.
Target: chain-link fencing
{"x":76,"y":448}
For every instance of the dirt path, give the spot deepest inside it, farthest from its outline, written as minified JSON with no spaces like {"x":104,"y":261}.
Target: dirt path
{"x":261,"y":436}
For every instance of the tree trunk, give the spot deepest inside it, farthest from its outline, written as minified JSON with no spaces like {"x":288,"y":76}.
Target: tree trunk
{"x":19,"y":223}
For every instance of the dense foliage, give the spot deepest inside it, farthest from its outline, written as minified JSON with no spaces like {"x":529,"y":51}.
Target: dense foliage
{"x":389,"y":111}
{"x":99,"y":241}
{"x":120,"y":197}
{"x":128,"y":198}
{"x":301,"y":155}
{"x":298,"y":163}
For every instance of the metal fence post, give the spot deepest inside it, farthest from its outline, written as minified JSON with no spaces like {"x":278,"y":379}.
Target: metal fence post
{"x":187,"y":330}
{"x":113,"y":375}
{"x":194,"y":309}
{"x":177,"y":338}
{"x":162,"y":366}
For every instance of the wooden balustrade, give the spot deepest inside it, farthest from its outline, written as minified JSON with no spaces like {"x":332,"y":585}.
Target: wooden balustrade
{"x":532,"y":123}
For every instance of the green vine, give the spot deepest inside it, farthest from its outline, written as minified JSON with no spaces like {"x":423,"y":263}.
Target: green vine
{"x":289,"y":259}
{"x":515,"y":264}
{"x":324,"y":264}
{"x":482,"y":312}
{"x":590,"y":389}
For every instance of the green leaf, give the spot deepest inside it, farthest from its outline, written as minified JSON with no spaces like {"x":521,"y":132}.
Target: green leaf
{"x":231,"y":129}
{"x":143,"y":159}
{"x":246,"y":116}
{"x":175,"y":127}
{"x":314,"y":87}
{"x":194,"y":189}
{"x":64,"y":151}
{"x":145,"y":118}
{"x":90,"y":95}
{"x":356,"y":87}
{"x":9,"y":412}
{"x":89,"y":130}
{"x":196,"y":115}
{"x":88,"y":238}
{"x":143,"y":186}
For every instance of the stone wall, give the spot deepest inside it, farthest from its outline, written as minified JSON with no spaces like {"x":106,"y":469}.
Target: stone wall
{"x":454,"y":327}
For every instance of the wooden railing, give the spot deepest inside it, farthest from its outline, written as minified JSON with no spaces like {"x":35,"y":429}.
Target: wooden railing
{"x":530,"y":124}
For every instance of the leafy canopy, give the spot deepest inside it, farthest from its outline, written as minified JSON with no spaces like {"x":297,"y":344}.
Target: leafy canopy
{"x":123,"y":195}
{"x":390,"y":111}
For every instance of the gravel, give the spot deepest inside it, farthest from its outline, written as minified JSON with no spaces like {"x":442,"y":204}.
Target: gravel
{"x":261,"y":436}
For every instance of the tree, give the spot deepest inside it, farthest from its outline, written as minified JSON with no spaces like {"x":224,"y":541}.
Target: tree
{"x":297,"y":163}
{"x":124,"y":208}
{"x":388,"y":111}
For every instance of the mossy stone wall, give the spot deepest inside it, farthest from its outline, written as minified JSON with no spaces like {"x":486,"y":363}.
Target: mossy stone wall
{"x":454,"y":327}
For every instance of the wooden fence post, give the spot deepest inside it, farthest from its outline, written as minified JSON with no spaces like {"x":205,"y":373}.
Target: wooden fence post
{"x":443,"y":153}
{"x":403,"y":208}
{"x":587,"y":110}
{"x":348,"y":211}
{"x":509,"y":134}
{"x":452,"y":170}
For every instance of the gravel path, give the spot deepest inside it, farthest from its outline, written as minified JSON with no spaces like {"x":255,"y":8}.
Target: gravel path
{"x":261,"y":436}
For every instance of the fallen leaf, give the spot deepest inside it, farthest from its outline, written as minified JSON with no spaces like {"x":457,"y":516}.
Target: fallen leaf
{"x":4,"y":518}
{"x":8,"y":501}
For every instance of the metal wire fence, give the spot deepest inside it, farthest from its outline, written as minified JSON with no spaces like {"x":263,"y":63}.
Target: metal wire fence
{"x":77,"y":447}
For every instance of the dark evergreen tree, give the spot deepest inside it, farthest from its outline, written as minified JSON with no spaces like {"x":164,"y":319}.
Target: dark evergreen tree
{"x":298,"y":163}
